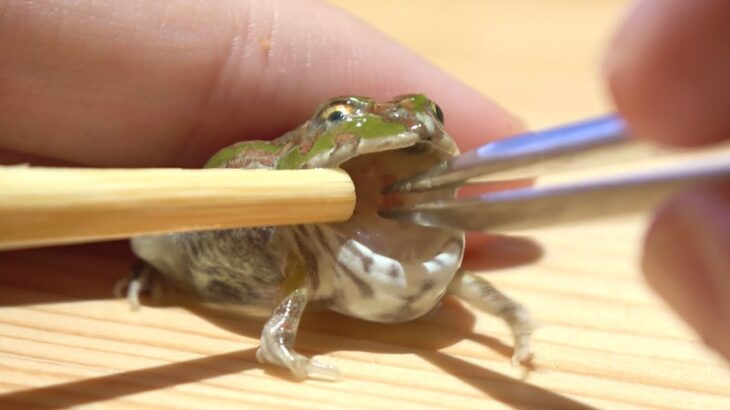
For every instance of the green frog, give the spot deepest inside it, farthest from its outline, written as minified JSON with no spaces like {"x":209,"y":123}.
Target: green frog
{"x":367,"y":267}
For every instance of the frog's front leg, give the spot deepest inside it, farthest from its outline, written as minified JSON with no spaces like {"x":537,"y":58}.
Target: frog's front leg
{"x":486,"y":297}
{"x":143,"y":278}
{"x":277,"y":340}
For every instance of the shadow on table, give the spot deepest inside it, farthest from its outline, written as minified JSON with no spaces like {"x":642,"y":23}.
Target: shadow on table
{"x":65,"y":395}
{"x":89,"y":272}
{"x":515,"y":393}
{"x":63,"y":275}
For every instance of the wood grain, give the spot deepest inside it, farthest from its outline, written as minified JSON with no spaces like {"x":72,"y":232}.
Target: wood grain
{"x":605,"y":341}
{"x":51,"y":206}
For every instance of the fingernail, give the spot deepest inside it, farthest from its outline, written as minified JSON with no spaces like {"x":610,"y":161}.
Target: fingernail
{"x":687,"y":261}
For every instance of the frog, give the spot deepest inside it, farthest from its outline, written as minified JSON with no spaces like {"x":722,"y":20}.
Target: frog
{"x":367,"y":267}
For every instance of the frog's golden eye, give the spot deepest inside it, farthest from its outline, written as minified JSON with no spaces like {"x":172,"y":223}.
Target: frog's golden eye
{"x":437,"y":112}
{"x":336,"y":112}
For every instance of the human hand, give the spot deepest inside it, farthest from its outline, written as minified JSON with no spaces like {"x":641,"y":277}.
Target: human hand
{"x":119,"y":83}
{"x":668,"y":70}
{"x":124,"y":83}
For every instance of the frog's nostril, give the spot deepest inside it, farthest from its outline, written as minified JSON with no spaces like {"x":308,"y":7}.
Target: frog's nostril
{"x":395,"y":113}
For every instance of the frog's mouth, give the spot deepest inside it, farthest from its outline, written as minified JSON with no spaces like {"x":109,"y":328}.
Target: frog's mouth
{"x":374,"y":171}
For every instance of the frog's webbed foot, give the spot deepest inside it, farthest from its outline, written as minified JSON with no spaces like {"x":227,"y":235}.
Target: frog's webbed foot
{"x":143,"y":278}
{"x":486,"y":297}
{"x":277,"y":340}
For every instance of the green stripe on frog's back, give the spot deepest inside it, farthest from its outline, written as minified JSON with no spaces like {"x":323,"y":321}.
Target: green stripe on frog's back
{"x":222,"y":157}
{"x":418,"y":102}
{"x":364,"y":127}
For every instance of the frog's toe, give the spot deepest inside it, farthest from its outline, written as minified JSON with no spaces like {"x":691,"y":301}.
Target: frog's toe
{"x":129,"y":288}
{"x":522,"y":354}
{"x":300,"y":366}
{"x":134,"y":289}
{"x":522,"y":331}
{"x":143,"y":278}
{"x":120,"y":287}
{"x":318,"y":370}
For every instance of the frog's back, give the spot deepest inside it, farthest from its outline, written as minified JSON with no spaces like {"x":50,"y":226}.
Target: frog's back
{"x":241,"y":266}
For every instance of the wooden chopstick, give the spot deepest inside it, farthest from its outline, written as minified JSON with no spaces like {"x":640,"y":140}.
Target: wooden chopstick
{"x":47,"y":206}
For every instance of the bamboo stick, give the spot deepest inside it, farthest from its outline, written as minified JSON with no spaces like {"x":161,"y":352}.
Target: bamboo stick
{"x":46,"y":206}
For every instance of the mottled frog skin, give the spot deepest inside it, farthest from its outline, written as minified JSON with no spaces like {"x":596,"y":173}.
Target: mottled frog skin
{"x":367,"y":267}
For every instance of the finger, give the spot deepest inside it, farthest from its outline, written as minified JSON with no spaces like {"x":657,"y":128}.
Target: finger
{"x":687,"y":261}
{"x":144,"y":83}
{"x":493,"y":252}
{"x":669,"y":70}
{"x":19,"y":158}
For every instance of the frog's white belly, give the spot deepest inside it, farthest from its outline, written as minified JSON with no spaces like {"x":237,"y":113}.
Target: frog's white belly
{"x":355,"y":280}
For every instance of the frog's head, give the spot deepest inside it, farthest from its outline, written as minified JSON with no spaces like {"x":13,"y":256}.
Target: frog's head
{"x":374,"y":141}
{"x":346,"y":127}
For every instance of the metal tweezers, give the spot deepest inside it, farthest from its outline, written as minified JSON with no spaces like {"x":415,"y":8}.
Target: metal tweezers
{"x":589,"y":143}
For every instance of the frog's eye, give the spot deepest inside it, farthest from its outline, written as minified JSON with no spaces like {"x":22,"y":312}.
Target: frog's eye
{"x":336,"y":115}
{"x":336,"y":112}
{"x":437,"y":112}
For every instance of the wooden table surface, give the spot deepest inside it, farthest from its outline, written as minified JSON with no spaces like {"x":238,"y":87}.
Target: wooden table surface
{"x":605,"y":341}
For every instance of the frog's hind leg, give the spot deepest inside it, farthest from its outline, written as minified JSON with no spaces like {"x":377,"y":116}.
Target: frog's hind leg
{"x":277,"y":340}
{"x":143,"y":278}
{"x":483,"y":295}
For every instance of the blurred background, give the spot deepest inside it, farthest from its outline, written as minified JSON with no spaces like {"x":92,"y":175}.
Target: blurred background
{"x":541,"y":59}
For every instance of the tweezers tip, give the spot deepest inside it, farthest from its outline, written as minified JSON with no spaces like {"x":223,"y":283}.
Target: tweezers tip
{"x":398,"y":214}
{"x":400,"y":186}
{"x":408,"y":185}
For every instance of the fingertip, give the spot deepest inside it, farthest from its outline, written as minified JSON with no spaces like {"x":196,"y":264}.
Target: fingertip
{"x":667,"y":71}
{"x":686,"y":261}
{"x":490,"y":252}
